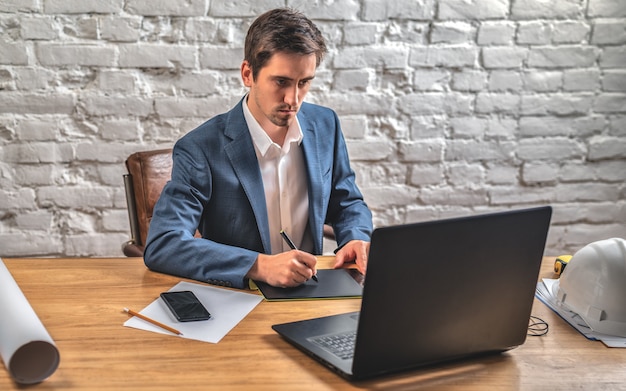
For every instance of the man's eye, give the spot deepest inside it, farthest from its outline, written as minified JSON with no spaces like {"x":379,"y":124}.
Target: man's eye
{"x":304,"y":83}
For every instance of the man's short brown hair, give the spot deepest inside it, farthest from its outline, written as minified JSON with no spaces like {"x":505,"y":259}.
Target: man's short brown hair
{"x":282,"y":30}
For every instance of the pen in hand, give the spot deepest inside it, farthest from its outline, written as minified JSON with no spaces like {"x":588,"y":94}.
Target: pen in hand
{"x":292,"y":245}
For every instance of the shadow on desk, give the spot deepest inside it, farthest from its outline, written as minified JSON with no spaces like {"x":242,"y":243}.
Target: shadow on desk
{"x":462,"y":374}
{"x":465,"y":374}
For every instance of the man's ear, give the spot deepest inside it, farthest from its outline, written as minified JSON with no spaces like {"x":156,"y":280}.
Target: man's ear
{"x":246,"y":74}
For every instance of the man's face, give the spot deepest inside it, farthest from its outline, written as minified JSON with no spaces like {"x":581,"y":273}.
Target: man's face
{"x":279,"y":89}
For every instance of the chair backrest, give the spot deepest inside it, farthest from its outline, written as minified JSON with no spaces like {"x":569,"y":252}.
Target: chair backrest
{"x":148,"y":172}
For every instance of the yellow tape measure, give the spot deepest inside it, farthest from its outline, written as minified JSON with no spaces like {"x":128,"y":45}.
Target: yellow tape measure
{"x":560,"y":263}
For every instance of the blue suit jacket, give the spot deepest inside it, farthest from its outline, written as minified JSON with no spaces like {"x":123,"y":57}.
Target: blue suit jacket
{"x":217,"y":188}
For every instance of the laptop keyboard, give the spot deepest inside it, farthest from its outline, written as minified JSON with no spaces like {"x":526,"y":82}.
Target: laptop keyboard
{"x":340,"y":344}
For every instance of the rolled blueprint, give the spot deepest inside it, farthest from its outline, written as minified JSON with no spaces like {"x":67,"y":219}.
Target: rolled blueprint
{"x":28,"y":351}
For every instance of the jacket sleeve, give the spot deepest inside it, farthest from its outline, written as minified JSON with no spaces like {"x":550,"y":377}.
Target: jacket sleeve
{"x":189,"y":202}
{"x":348,"y":213}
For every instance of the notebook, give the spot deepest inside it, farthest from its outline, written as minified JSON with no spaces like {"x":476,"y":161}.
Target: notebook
{"x":435,"y":292}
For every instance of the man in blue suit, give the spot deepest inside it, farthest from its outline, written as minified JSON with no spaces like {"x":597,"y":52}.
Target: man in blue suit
{"x":271,"y":163}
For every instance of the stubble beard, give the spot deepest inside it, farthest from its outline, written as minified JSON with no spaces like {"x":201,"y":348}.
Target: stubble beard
{"x":280,"y":119}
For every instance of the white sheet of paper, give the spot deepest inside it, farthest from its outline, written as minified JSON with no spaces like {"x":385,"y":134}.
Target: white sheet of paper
{"x":227,"y":308}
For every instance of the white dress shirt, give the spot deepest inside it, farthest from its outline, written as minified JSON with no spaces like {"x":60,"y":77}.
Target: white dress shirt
{"x":284,"y":182}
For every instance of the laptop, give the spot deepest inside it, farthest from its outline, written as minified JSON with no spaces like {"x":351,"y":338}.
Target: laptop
{"x":435,"y":292}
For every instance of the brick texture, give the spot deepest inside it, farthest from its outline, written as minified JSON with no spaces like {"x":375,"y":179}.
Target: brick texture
{"x":449,"y":107}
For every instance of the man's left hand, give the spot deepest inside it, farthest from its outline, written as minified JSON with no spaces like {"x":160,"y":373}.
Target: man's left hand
{"x":354,"y":251}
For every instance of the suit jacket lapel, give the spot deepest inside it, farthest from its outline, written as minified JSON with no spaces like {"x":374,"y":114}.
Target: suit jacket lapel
{"x":242,"y":156}
{"x":314,"y":171}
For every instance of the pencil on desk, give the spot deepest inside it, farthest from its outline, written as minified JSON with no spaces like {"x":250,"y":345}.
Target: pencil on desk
{"x":154,"y":322}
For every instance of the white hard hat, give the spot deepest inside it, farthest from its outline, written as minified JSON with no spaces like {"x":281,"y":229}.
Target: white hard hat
{"x":594,"y":286}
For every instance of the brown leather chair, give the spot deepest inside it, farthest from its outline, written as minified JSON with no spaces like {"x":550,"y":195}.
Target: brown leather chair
{"x":148,"y":172}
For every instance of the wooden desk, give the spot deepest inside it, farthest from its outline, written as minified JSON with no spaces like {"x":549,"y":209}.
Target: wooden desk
{"x":80,"y":302}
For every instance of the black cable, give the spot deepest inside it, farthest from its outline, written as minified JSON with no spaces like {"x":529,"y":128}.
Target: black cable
{"x":537,"y":326}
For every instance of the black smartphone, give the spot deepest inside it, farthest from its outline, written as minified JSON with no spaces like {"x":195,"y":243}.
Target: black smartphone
{"x":185,"y":306}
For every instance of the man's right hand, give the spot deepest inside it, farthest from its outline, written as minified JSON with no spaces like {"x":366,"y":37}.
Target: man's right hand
{"x":288,"y":269}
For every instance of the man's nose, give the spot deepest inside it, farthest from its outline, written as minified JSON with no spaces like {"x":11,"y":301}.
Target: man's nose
{"x":292,"y":96}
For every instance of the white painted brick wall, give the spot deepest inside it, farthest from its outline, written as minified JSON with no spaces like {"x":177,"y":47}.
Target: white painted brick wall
{"x":450,"y":107}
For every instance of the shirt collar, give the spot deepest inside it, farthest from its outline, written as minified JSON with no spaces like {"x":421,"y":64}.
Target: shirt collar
{"x":262,"y":141}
